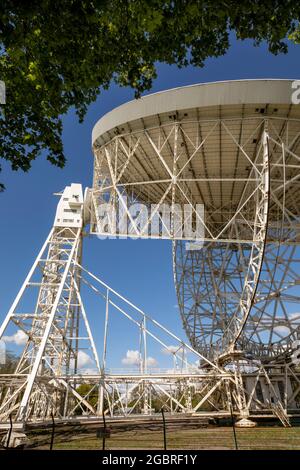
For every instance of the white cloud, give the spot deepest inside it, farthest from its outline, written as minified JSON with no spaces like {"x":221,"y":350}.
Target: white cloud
{"x":19,"y":338}
{"x":2,"y":352}
{"x":282,"y":330}
{"x":151,"y":362}
{"x":133,"y":358}
{"x":83,"y":359}
{"x":172,"y":349}
{"x":294,"y":316}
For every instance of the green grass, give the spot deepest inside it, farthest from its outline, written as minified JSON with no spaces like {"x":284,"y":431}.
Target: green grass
{"x":209,"y":438}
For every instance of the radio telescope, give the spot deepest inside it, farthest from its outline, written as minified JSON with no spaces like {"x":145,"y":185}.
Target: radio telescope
{"x":215,"y":169}
{"x":233,"y":147}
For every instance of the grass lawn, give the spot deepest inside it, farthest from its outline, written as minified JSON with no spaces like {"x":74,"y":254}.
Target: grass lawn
{"x":207,"y":438}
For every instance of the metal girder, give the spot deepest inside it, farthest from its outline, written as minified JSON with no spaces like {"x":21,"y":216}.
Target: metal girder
{"x":238,"y":294}
{"x":57,"y":330}
{"x":220,"y":308}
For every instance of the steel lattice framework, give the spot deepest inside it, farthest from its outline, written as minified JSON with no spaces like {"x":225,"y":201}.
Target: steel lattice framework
{"x":53,"y":325}
{"x":211,"y":281}
{"x":231,"y":148}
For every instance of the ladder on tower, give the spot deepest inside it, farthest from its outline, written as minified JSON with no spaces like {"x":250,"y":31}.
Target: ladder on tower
{"x":280,"y":413}
{"x":276,"y":405}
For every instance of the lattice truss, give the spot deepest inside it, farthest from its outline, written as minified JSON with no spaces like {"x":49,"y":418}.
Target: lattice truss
{"x":49,"y":380}
{"x":46,"y":379}
{"x":246,"y":174}
{"x":211,"y":282}
{"x":48,"y":311}
{"x":238,"y":295}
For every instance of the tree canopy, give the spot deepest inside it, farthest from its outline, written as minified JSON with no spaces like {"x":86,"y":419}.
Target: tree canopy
{"x":55,"y":55}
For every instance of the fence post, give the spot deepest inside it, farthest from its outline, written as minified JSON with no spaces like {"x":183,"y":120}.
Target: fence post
{"x":53,"y":430}
{"x":104,"y":430}
{"x":164,"y":428}
{"x":233,"y":427}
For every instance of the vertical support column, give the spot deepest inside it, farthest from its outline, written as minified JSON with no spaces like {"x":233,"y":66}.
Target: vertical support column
{"x":24,"y":285}
{"x":102,"y":382}
{"x":257,"y":250}
{"x":39,"y":355}
{"x":174,"y":178}
{"x":240,"y":392}
{"x":285,"y":387}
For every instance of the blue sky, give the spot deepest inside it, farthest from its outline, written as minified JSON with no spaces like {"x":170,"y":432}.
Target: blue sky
{"x":140,"y":269}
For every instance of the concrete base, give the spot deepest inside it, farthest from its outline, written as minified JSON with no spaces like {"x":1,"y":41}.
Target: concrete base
{"x":245,"y":423}
{"x":15,"y":440}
